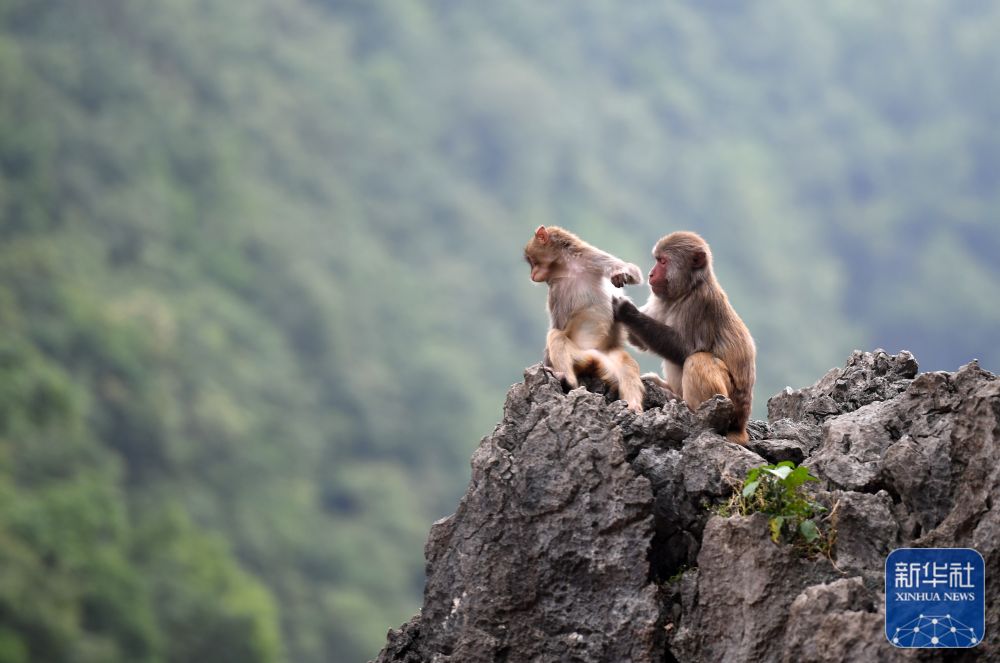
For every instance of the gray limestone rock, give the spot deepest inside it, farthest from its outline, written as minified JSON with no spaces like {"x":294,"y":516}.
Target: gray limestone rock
{"x":868,"y":377}
{"x":838,"y":622}
{"x":746,"y":584}
{"x":545,"y":557}
{"x":587,"y":532}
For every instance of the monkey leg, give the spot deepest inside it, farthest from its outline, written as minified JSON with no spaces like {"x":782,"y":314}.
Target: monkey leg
{"x":630,"y":386}
{"x":561,"y":351}
{"x":704,"y":376}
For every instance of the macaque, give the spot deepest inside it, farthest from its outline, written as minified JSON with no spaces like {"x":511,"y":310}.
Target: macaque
{"x":583,"y":337}
{"x":706,"y":348}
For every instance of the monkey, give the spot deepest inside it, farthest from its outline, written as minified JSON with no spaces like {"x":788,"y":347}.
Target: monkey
{"x":689,"y":322}
{"x":583,"y":337}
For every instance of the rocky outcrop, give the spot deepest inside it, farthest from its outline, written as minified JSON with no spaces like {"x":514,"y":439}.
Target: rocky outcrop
{"x":587,"y":532}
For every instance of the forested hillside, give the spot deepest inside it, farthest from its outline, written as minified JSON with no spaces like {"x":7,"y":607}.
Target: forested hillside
{"x":261,"y":285}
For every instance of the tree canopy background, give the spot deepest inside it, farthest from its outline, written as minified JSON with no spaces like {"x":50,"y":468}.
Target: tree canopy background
{"x":261,"y":285}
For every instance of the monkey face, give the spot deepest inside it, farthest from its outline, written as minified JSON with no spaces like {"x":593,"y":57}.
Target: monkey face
{"x":540,"y":259}
{"x":539,"y":270}
{"x":683,"y":261}
{"x":541,"y":253}
{"x":658,"y":280}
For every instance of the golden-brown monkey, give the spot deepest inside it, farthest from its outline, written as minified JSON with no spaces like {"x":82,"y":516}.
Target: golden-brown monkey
{"x":706,"y":348}
{"x":583,"y":336}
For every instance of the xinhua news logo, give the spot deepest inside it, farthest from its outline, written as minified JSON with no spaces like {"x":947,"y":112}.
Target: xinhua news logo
{"x":934,"y":597}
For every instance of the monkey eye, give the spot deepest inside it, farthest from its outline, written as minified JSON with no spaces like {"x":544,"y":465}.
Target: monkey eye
{"x":662,"y":260}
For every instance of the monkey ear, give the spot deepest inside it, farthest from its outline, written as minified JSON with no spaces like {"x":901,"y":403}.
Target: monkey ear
{"x":699,"y":260}
{"x":541,"y":234}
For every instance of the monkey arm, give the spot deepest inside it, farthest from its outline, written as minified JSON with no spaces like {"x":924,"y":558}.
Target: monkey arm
{"x":659,"y":338}
{"x":620,"y":272}
{"x":634,"y":340}
{"x":625,"y":274}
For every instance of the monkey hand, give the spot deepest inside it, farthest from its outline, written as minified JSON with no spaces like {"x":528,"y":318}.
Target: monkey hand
{"x":630,"y":275}
{"x":623,"y":309}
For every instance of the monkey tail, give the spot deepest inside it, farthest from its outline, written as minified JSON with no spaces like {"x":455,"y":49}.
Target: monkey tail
{"x":738,"y":431}
{"x":616,"y":369}
{"x":595,"y":362}
{"x":566,"y":357}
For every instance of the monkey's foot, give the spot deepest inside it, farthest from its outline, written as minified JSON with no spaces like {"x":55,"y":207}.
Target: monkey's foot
{"x":566,"y":380}
{"x":662,"y":384}
{"x":656,"y":379}
{"x":569,"y":381}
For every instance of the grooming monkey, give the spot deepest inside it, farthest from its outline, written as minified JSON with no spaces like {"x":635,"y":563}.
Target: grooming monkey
{"x":583,"y":336}
{"x":688,"y":321}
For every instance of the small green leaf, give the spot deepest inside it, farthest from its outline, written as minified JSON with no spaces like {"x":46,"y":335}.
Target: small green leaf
{"x":786,"y":463}
{"x":749,"y":489}
{"x":797,"y":477}
{"x":780,"y":472}
{"x":809,"y":530}
{"x":776,"y":524}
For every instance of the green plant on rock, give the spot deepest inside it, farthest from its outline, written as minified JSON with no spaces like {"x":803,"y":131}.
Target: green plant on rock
{"x":777,"y":490}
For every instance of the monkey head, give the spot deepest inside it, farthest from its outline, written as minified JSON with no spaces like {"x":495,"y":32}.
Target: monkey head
{"x":545,"y":251}
{"x":683,"y":262}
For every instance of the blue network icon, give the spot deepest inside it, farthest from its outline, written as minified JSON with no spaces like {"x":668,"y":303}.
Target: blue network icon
{"x":934,"y":631}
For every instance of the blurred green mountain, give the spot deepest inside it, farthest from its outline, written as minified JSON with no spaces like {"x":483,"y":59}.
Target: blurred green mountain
{"x":261,"y":287}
